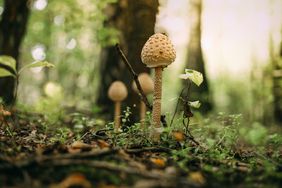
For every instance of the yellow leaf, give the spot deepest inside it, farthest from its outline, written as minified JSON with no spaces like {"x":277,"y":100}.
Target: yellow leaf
{"x":159,"y":162}
{"x":178,"y":136}
{"x":197,"y":177}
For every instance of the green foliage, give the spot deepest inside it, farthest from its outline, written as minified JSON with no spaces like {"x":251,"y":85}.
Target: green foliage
{"x":51,"y":104}
{"x":256,"y":135}
{"x":37,"y":64}
{"x":195,"y":76}
{"x":108,"y":36}
{"x":194,"y":104}
{"x":11,"y":63}
{"x":71,"y":34}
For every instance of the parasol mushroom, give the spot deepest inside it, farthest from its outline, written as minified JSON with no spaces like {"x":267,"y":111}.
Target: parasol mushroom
{"x":117,"y":93}
{"x":158,"y":52}
{"x":147,"y":86}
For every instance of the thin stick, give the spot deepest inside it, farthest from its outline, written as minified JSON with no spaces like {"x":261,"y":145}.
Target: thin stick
{"x":135,"y":77}
{"x":176,"y":108}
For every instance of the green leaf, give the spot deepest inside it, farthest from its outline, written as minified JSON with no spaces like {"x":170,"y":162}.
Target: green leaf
{"x":194,"y":104}
{"x":195,"y":76}
{"x":5,"y":73}
{"x":37,"y":64}
{"x":8,"y":61}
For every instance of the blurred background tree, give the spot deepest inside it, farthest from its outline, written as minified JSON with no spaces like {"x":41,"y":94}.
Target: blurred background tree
{"x":195,"y":59}
{"x":12,"y":30}
{"x":277,"y":83}
{"x":69,"y":34}
{"x":135,"y":21}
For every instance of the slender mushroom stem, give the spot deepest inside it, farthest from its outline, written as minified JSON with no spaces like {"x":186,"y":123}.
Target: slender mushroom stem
{"x":156,"y":116}
{"x":117,"y":115}
{"x":142,"y":114}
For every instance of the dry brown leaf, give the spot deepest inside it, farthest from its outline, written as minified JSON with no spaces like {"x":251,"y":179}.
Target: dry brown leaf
{"x":197,"y":177}
{"x":103,"y":144}
{"x":80,"y":145}
{"x":72,"y":180}
{"x":71,"y":150}
{"x":4,"y":112}
{"x":159,"y":162}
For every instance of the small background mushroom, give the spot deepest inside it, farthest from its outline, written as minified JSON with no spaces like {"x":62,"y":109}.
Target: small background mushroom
{"x":117,"y":92}
{"x":147,"y":86}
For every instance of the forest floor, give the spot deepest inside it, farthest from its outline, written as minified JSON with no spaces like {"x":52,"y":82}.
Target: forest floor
{"x":80,"y":151}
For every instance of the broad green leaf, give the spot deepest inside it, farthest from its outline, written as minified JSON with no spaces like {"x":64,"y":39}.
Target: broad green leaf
{"x":37,"y":64}
{"x":8,"y":61}
{"x":195,"y":104}
{"x":195,"y":76}
{"x":5,"y":73}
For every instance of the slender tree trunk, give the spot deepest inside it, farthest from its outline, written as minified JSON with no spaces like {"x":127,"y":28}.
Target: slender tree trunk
{"x":135,"y":21}
{"x":277,"y":86}
{"x":12,"y":30}
{"x":195,"y":57}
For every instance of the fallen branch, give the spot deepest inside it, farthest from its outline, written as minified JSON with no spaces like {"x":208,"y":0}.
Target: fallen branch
{"x":135,"y":77}
{"x":41,"y":159}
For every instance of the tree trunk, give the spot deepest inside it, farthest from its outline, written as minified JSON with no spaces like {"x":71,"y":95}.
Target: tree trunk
{"x":195,"y":57}
{"x":277,"y":86}
{"x":12,"y":29}
{"x":135,"y":21}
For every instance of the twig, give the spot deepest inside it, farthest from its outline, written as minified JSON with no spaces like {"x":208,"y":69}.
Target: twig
{"x":191,"y":137}
{"x":150,"y":149}
{"x":175,"y":111}
{"x":135,"y":77}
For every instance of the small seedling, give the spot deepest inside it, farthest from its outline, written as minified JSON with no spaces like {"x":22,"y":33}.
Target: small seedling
{"x":8,"y":68}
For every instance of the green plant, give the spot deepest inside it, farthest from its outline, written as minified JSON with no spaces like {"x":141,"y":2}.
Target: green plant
{"x":8,"y":68}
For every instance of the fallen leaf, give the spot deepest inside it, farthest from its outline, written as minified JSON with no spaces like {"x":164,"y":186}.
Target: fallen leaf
{"x":178,"y":136}
{"x":71,"y":150}
{"x":159,"y":162}
{"x":6,"y":113}
{"x":80,"y":145}
{"x":73,"y":180}
{"x":197,"y":177}
{"x":103,"y":144}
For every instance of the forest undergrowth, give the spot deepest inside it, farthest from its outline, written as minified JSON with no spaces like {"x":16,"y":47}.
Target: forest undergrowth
{"x":82,"y":150}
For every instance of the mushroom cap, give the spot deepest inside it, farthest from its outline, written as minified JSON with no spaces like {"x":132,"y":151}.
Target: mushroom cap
{"x":146,"y":82}
{"x":117,"y":91}
{"x":158,"y":51}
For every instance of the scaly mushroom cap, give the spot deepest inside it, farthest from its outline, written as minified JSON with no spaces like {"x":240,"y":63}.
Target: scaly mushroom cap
{"x":146,"y":83}
{"x":117,"y":91}
{"x":158,"y":51}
